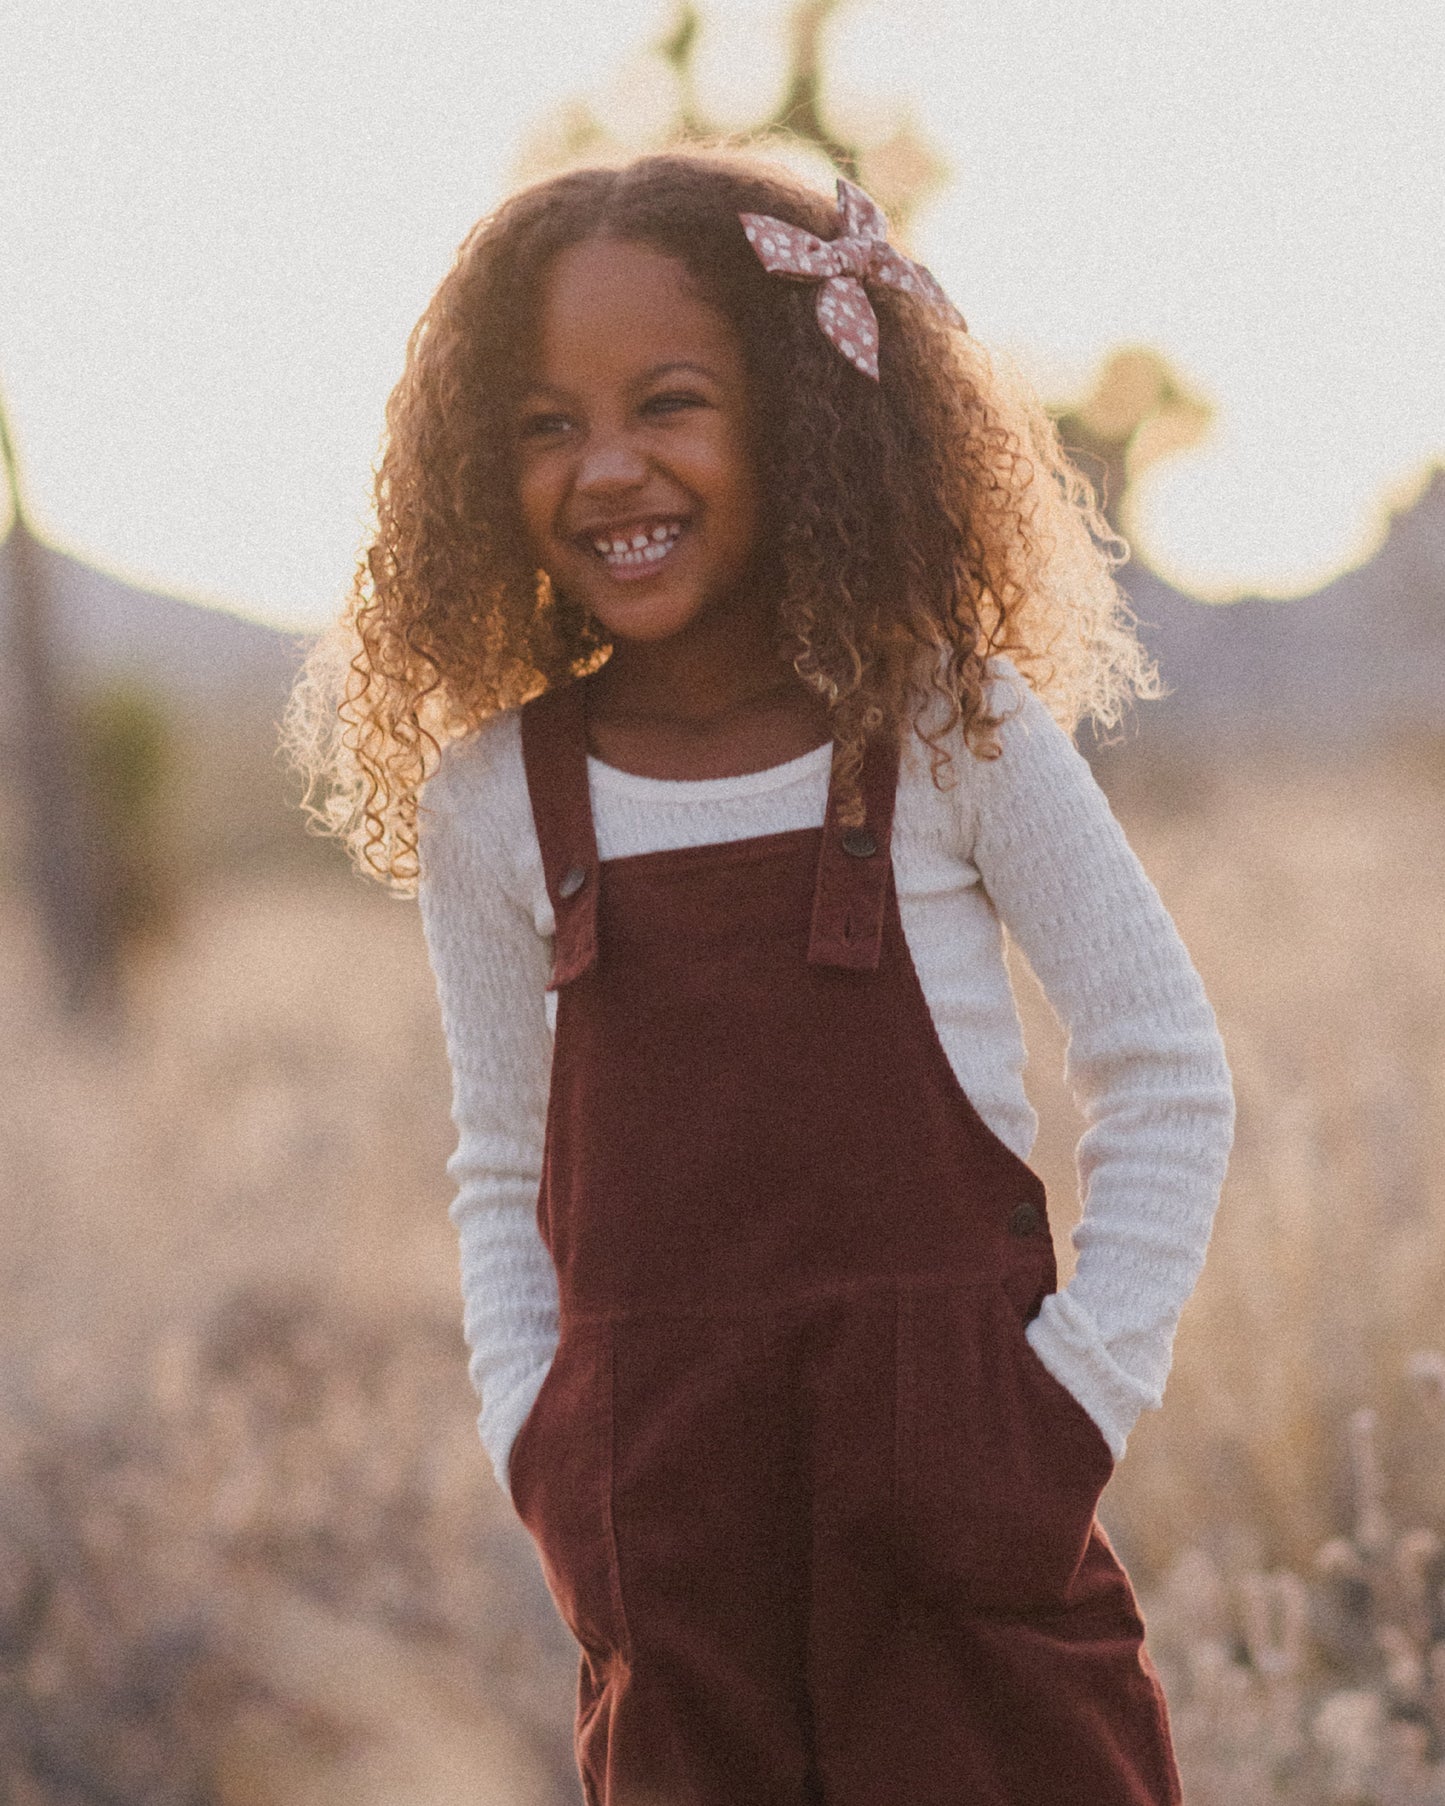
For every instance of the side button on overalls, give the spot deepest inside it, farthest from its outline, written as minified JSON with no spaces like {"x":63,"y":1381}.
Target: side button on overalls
{"x":821,"y":1521}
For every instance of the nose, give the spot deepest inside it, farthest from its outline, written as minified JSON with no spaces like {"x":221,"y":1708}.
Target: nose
{"x":608,"y":464}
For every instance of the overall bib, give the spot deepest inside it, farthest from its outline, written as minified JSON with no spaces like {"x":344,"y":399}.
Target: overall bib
{"x":819,"y":1518}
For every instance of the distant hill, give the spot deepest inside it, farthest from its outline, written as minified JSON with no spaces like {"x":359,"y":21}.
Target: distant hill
{"x":196,"y":657}
{"x":1362,"y":656}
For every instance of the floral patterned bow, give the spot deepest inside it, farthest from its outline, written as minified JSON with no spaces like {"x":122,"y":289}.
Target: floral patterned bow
{"x":861,"y":254}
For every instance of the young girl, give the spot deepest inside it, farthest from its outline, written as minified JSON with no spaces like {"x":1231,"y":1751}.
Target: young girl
{"x":747,"y":606}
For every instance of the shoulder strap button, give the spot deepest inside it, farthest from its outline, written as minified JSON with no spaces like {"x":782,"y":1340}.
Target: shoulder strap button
{"x":1024,"y":1220}
{"x":859,"y":842}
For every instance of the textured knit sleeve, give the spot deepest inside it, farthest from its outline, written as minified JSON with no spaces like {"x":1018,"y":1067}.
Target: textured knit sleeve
{"x":491,"y":967}
{"x":1145,"y":1064}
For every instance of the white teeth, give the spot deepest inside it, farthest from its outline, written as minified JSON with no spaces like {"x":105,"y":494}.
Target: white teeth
{"x":642,"y":547}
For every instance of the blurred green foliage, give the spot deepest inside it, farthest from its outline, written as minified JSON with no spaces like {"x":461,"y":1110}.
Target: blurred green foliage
{"x":126,"y":758}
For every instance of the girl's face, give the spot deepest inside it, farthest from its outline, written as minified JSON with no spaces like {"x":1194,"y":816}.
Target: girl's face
{"x":635,"y":475}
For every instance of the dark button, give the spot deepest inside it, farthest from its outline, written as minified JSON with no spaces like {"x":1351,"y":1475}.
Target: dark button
{"x":1024,"y":1219}
{"x":859,"y":842}
{"x":571,"y":881}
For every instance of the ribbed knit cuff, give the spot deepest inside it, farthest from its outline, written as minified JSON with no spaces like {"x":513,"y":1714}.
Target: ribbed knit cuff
{"x":1066,"y":1339}
{"x":499,"y":1422}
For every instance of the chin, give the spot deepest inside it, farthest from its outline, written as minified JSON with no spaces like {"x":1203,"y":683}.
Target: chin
{"x":645,"y":619}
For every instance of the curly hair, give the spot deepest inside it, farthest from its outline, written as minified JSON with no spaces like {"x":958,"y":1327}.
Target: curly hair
{"x":916,"y":527}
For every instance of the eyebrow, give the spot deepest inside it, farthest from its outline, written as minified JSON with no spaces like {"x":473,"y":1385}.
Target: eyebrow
{"x":648,"y":376}
{"x":662,"y":370}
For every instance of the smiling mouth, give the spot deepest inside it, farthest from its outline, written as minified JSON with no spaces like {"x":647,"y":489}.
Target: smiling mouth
{"x":636,"y":550}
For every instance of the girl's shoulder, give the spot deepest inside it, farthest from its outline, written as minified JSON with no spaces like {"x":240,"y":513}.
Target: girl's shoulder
{"x":477,"y":765}
{"x":1028,"y":731}
{"x":1036,"y":783}
{"x":1028,"y":736}
{"x":478,"y":791}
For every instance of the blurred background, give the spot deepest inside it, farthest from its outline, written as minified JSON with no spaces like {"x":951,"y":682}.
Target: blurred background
{"x":250,"y":1550}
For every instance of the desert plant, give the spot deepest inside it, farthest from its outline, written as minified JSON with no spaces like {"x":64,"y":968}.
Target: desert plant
{"x":1293,"y":1689}
{"x":126,"y":757}
{"x":285,"y":1446}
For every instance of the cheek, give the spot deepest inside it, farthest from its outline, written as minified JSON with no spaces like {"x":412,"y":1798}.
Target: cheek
{"x":535,"y":507}
{"x":735,"y":487}
{"x":744,"y":518}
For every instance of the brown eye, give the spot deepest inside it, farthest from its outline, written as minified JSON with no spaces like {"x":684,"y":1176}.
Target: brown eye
{"x":543,"y":426}
{"x":673,"y":401}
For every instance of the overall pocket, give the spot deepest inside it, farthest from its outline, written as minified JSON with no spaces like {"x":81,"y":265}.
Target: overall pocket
{"x":999,"y":1467}
{"x":560,"y":1472}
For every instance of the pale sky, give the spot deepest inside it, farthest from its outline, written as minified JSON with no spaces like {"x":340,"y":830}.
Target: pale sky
{"x":218,"y":224}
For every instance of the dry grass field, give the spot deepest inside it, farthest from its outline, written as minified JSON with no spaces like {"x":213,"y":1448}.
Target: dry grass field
{"x":250,"y":1551}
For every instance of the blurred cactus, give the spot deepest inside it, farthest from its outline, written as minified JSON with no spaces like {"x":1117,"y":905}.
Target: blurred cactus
{"x":1138,"y":411}
{"x":899,"y":167}
{"x":61,"y":857}
{"x":90,"y":772}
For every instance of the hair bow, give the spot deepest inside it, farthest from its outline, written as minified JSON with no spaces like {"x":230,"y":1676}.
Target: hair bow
{"x":860,"y":254}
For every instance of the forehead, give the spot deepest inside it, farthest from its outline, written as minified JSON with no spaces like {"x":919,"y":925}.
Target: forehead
{"x":612,"y":309}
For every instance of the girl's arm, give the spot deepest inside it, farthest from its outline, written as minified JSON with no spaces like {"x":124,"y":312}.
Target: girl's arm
{"x":1145,"y":1063}
{"x":491,"y":968}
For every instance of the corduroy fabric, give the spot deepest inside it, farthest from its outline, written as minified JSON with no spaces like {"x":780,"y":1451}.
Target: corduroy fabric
{"x":821,"y":1521}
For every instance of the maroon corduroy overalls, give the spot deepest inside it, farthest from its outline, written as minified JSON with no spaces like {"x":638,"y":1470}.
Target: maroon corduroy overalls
{"x":821,"y":1521}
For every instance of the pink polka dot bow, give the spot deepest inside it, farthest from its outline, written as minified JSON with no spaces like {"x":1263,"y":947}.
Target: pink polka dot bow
{"x":861,"y":254}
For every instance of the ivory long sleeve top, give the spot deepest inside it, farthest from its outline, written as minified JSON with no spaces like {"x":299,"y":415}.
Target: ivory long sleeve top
{"x":1025,"y":842}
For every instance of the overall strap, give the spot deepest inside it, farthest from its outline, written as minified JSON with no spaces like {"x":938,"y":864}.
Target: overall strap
{"x":854,"y":867}
{"x":554,"y":756}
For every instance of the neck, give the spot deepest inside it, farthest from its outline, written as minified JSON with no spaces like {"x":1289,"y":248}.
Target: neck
{"x":720,"y":664}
